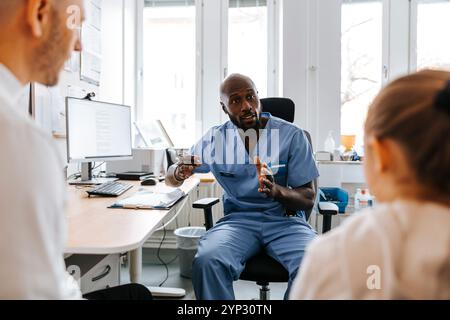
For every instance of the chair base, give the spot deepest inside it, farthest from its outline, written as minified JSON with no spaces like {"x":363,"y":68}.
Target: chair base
{"x":264,"y":292}
{"x":163,"y":292}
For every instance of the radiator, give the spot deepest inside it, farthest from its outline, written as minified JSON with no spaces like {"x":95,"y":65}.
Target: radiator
{"x":189,"y":217}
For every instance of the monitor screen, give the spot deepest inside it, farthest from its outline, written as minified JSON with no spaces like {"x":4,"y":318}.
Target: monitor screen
{"x":97,"y":131}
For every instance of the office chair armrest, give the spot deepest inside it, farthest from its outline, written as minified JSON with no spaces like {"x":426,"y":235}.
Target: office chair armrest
{"x":206,"y":205}
{"x":328,"y":208}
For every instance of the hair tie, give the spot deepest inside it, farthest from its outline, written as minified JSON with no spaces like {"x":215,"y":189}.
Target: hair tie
{"x":442,"y":102}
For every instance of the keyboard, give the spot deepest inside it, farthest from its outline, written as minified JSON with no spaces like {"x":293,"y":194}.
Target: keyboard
{"x":110,"y":189}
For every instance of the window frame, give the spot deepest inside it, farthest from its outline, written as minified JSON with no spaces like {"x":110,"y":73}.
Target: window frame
{"x":414,"y":24}
{"x":383,"y":52}
{"x":414,"y":4}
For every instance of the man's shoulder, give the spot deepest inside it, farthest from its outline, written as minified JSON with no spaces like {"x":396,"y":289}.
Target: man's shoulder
{"x":289,"y":131}
{"x":278,"y":123}
{"x":22,"y":133}
{"x":30,"y":158}
{"x":220,"y":128}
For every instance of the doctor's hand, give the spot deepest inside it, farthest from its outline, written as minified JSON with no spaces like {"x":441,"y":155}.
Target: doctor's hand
{"x":185,"y":169}
{"x":184,"y":172}
{"x":267,"y":183}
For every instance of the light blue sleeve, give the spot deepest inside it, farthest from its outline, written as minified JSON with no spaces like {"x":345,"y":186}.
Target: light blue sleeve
{"x":203,"y":149}
{"x":302,"y":167}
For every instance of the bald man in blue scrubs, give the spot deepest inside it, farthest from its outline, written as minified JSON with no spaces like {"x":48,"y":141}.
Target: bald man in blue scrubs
{"x":266,"y":167}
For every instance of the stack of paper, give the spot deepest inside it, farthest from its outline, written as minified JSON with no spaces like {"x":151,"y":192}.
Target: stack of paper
{"x":151,"y":200}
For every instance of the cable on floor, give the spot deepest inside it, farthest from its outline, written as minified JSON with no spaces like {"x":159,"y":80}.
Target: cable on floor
{"x":165,"y":264}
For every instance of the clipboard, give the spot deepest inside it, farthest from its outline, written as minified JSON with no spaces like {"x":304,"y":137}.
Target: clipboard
{"x":148,"y":200}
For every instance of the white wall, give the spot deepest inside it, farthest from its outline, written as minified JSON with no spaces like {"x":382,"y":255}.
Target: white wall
{"x":312,"y":64}
{"x":130,"y":55}
{"x":111,"y":88}
{"x":214,"y":61}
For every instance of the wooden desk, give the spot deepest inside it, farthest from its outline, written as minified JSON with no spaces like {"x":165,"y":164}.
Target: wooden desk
{"x":95,"y":229}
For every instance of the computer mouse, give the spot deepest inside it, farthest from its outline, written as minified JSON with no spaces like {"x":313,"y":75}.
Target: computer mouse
{"x":149,"y":182}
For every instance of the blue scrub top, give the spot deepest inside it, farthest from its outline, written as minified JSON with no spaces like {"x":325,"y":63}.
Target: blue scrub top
{"x":282,"y":145}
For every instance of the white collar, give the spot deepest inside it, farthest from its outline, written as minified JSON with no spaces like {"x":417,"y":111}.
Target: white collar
{"x":10,"y":87}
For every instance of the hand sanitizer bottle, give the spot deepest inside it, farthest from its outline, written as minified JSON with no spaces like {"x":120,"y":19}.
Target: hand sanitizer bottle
{"x":330,"y":145}
{"x":364,"y":199}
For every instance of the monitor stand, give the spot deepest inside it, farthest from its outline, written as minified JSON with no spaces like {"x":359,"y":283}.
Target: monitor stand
{"x":87,"y":179}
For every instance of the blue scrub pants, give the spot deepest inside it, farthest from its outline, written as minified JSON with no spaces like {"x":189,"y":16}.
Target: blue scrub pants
{"x":224,"y":250}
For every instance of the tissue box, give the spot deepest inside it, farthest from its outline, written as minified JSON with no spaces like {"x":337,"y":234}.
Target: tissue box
{"x":324,"y":156}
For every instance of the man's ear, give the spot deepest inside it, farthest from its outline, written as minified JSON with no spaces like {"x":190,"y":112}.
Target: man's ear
{"x":382,"y":154}
{"x":224,"y":108}
{"x":37,"y":15}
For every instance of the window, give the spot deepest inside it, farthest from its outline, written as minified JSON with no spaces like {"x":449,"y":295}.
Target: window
{"x":433,"y":50}
{"x":188,"y":46}
{"x":170,"y":67}
{"x":248,"y":41}
{"x":362,"y":56}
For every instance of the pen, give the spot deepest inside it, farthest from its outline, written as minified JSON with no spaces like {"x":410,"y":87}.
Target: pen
{"x":136,"y":207}
{"x":278,"y":166}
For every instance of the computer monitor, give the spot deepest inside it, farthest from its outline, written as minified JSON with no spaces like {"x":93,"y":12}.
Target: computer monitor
{"x":97,"y":131}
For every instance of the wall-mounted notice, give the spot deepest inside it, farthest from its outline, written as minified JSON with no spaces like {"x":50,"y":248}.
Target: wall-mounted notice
{"x":49,"y":106}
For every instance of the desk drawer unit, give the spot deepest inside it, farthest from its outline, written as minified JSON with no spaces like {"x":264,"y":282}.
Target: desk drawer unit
{"x":97,"y":272}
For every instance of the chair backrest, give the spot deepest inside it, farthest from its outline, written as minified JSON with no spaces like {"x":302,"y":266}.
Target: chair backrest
{"x":284,"y":108}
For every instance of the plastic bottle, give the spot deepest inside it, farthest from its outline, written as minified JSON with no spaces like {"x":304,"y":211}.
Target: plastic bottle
{"x":330,"y":144}
{"x":363,"y":199}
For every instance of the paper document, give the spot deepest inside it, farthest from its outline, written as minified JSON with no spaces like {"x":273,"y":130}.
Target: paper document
{"x":151,"y":200}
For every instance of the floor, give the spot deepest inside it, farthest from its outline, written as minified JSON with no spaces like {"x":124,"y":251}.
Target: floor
{"x":154,"y":273}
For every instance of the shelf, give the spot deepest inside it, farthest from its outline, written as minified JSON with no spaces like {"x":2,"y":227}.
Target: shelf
{"x":341,"y":162}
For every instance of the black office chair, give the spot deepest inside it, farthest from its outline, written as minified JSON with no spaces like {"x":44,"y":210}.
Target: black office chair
{"x":262,"y":268}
